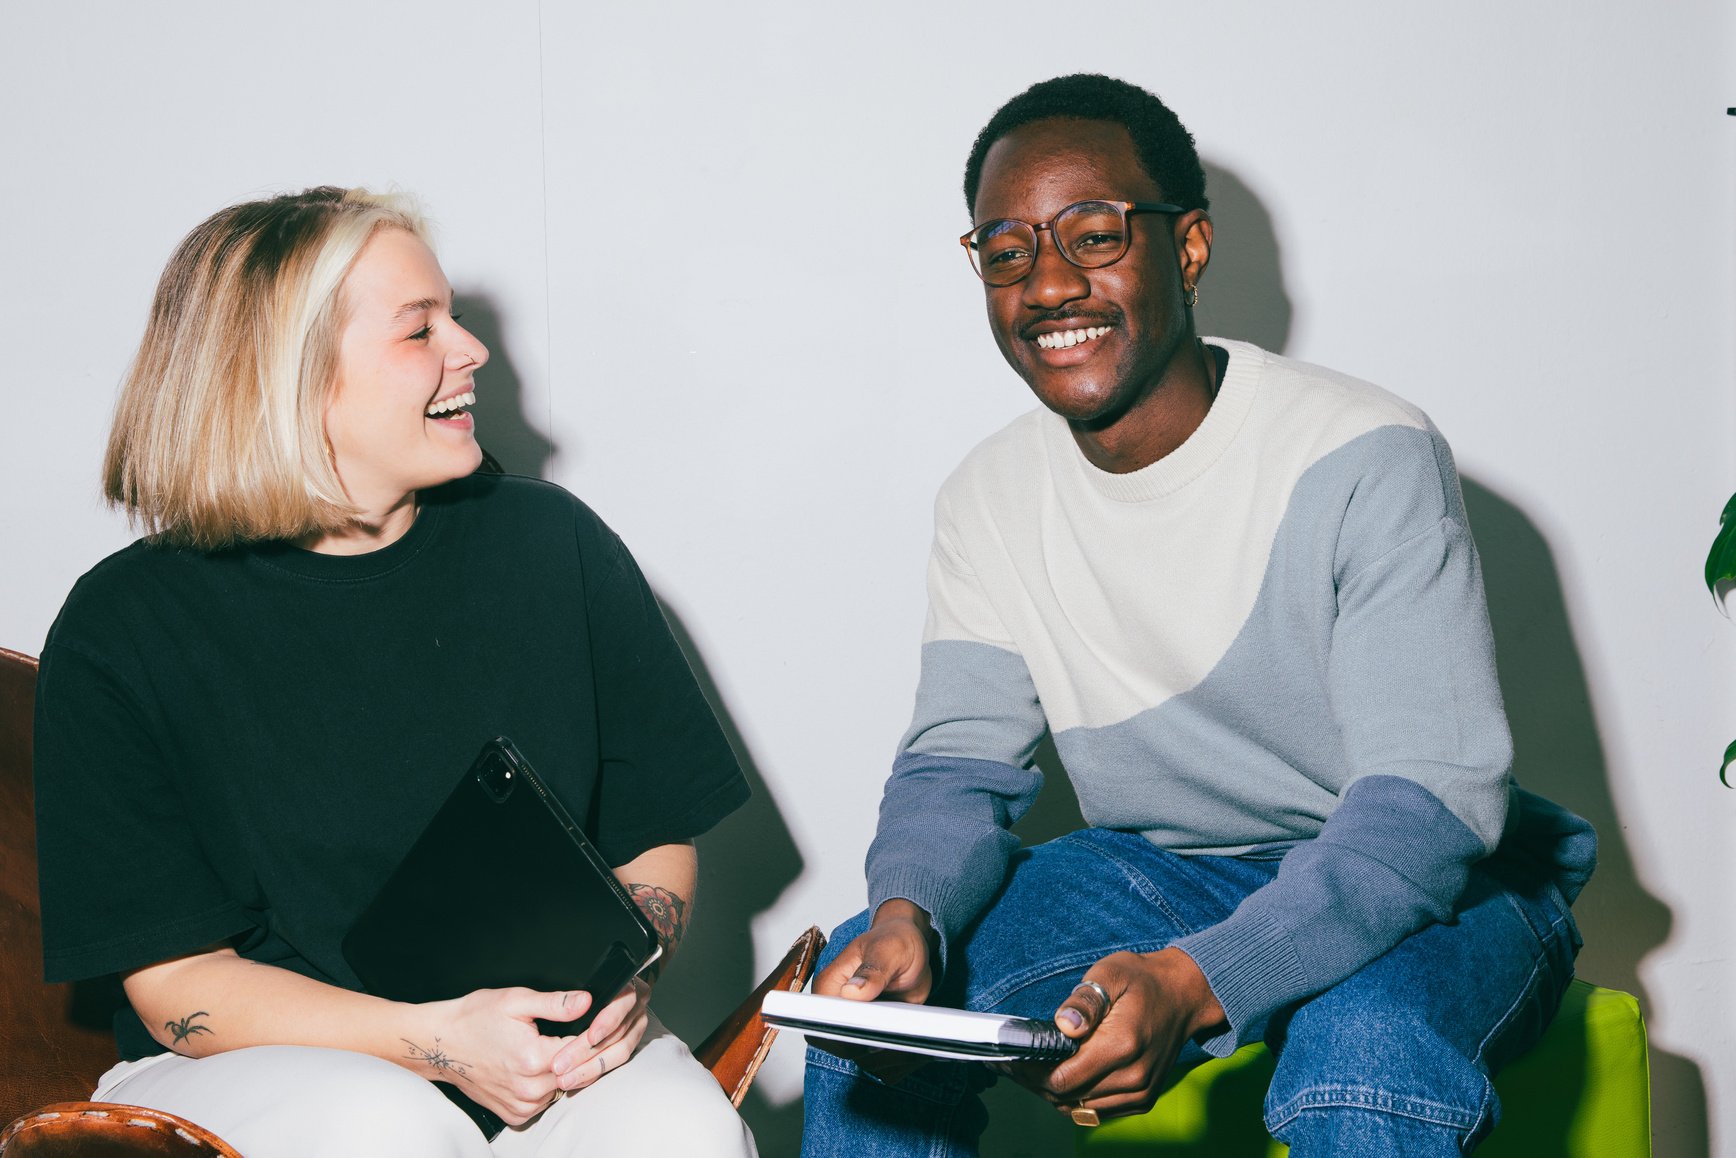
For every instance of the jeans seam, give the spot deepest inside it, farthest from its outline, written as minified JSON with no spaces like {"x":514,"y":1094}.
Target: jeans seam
{"x":1548,"y":932}
{"x":1370,"y":1098}
{"x":1312,"y":1099}
{"x":1506,"y":1018}
{"x":1539,"y":963}
{"x":1011,"y":983}
{"x":1147,"y":887}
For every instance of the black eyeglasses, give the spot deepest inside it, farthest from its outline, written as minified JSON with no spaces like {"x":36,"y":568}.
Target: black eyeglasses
{"x":1090,"y":234}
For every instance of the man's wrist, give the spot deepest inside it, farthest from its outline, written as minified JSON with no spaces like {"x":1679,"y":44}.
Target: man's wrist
{"x":1183,"y":978}
{"x":899,"y":910}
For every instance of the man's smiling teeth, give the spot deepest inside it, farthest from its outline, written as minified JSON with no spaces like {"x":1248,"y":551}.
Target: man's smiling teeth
{"x":456,"y":402}
{"x":1061,"y":339}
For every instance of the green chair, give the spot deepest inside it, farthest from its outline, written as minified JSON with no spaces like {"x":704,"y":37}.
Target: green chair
{"x":1585,"y":1090}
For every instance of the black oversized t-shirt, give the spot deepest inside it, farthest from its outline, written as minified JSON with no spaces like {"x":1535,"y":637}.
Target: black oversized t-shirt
{"x":242,"y":745}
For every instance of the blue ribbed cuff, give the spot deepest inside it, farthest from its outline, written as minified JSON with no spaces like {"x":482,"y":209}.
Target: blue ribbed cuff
{"x":1252,"y":968}
{"x":932,"y":894}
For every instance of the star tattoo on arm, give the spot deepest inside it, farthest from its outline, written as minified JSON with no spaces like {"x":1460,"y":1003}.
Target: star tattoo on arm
{"x":438,"y":1060}
{"x":184,"y":1029}
{"x":667,"y":913}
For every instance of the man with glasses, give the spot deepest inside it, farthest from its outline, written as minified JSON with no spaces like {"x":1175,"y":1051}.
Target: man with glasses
{"x":1240,"y":594}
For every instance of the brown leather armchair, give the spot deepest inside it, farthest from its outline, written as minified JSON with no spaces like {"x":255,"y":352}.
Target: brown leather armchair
{"x":52,"y":1049}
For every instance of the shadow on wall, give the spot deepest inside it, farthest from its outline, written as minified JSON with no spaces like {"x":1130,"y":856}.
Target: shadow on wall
{"x":1558,"y":754}
{"x":745,"y":864}
{"x":1242,"y":293}
{"x":747,"y":861}
{"x":502,"y":426}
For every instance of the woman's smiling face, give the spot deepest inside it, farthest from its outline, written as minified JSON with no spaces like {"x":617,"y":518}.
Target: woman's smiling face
{"x":398,"y":421}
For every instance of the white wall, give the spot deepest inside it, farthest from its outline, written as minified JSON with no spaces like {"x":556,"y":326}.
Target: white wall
{"x":1519,"y":216}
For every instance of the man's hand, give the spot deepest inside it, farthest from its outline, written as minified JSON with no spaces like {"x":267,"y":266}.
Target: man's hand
{"x":1157,"y":1001}
{"x":892,"y":961}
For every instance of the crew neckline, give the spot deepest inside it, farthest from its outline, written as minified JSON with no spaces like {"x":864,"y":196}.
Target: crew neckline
{"x":286,"y":556}
{"x":1192,"y":458}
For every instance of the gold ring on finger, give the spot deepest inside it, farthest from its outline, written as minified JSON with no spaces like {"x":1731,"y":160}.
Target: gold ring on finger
{"x":1084,"y":1117}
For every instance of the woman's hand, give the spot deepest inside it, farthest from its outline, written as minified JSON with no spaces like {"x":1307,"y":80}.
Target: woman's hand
{"x":489,"y":1046}
{"x":609,"y":1042}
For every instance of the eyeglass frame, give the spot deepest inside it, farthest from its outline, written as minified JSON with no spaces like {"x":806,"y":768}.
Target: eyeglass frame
{"x":1127,"y":208}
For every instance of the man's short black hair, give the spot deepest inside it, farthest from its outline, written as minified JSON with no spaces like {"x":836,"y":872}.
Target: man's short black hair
{"x":1166,"y":149}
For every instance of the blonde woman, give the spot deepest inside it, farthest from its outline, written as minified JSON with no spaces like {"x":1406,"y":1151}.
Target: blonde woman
{"x":245,"y":718}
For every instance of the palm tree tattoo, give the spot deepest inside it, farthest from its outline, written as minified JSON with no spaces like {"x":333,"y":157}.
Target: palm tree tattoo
{"x":185,"y":1029}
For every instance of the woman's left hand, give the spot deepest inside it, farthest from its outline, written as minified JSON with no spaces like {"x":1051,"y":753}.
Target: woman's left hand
{"x":609,"y":1041}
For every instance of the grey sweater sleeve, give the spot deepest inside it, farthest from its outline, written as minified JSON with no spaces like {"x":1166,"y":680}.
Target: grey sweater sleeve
{"x":944,"y":838}
{"x":1390,"y":860}
{"x":963,"y":775}
{"x":1414,"y":694}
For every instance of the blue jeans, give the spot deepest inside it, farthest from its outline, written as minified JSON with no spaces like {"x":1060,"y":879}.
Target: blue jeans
{"x":1395,"y":1059}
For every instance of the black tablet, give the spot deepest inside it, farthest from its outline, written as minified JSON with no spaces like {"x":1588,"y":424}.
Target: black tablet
{"x":501,"y":889}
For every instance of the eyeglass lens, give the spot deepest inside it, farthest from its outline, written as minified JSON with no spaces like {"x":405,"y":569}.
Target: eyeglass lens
{"x":1089,"y":234}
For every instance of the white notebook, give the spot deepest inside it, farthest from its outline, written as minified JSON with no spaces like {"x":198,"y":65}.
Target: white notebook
{"x":924,"y":1029}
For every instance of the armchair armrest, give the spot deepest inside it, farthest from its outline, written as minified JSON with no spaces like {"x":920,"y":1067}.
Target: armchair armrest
{"x":736,"y":1048}
{"x":108,"y":1130}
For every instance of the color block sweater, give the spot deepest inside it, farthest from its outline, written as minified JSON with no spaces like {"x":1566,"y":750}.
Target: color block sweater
{"x":1271,"y":642}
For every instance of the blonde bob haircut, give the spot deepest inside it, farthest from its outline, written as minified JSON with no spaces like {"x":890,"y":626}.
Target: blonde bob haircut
{"x":219,"y":431}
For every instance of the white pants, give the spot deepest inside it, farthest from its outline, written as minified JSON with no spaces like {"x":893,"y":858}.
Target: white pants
{"x":294,"y":1101}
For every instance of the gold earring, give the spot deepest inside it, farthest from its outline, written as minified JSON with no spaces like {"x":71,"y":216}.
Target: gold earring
{"x":1190,"y":295}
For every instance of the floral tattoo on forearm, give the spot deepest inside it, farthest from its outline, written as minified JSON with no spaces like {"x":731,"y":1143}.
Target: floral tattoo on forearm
{"x":185,"y":1028}
{"x":667,"y":913}
{"x":441,"y":1062}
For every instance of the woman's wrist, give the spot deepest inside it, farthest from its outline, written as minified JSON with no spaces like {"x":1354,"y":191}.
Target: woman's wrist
{"x":424,"y":1040}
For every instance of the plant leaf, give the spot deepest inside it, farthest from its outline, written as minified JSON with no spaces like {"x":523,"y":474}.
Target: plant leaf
{"x":1721,"y":559}
{"x":1729,"y":759}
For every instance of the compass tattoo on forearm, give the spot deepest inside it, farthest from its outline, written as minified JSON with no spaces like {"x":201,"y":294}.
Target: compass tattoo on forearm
{"x":667,"y":913}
